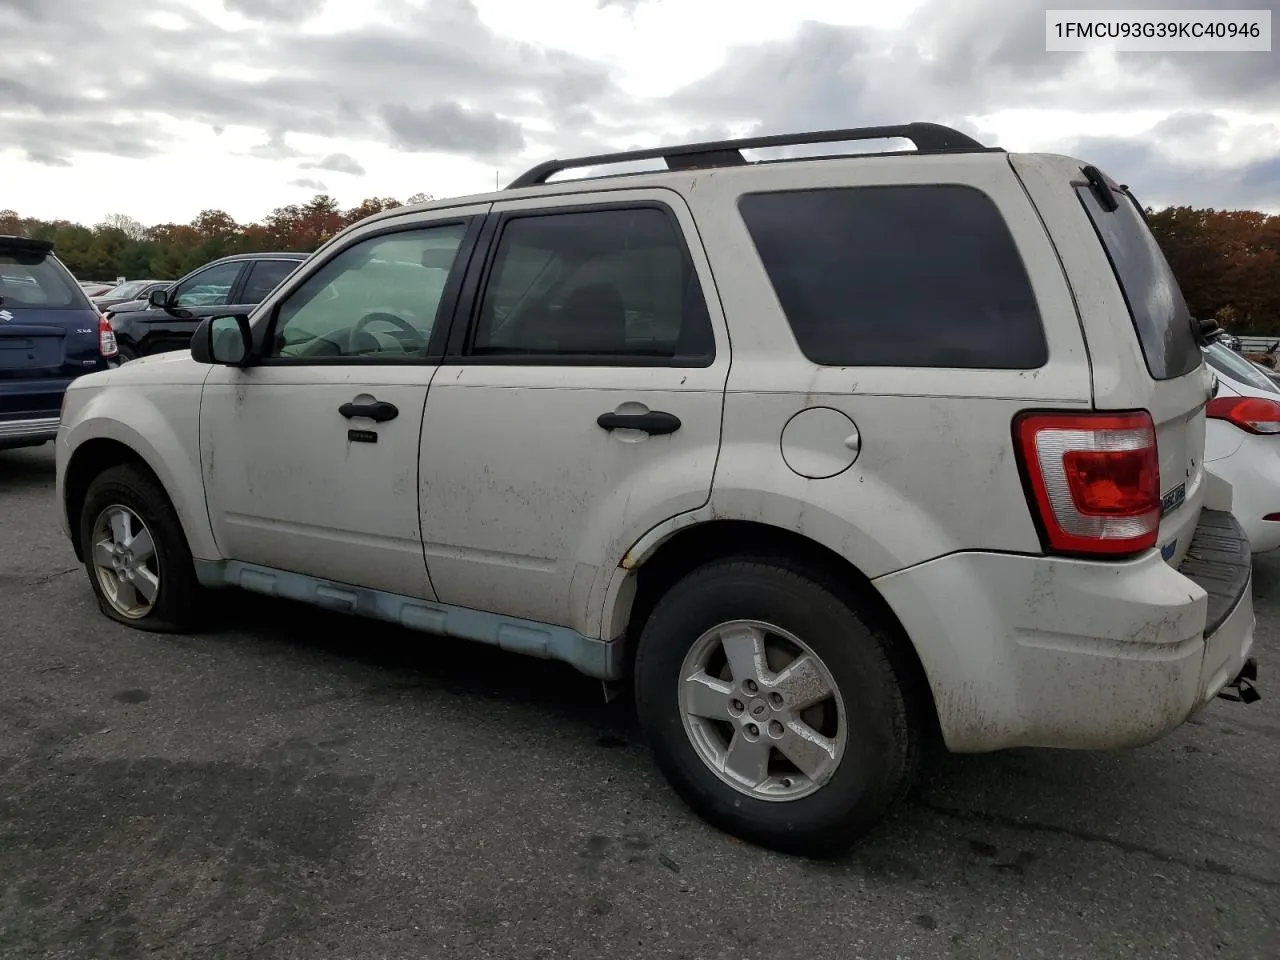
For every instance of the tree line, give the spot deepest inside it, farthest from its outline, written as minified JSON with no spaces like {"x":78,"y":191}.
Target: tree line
{"x":1227,"y":261}
{"x":121,"y":246}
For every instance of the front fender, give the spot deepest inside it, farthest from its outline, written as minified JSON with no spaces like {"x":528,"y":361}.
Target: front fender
{"x":161,"y":424}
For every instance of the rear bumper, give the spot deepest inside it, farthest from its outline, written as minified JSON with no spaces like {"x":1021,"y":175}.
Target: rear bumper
{"x":1048,"y":652}
{"x":26,"y":431}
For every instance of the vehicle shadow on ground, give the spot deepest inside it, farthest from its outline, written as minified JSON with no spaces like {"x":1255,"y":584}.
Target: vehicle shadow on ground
{"x":406,"y":660}
{"x":1132,"y":803}
{"x":25,"y":469}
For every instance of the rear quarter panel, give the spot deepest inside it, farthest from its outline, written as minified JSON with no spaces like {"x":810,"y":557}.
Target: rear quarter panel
{"x":936,"y":471}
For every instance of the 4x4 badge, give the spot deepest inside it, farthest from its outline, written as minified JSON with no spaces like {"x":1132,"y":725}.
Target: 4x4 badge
{"x":6,"y":316}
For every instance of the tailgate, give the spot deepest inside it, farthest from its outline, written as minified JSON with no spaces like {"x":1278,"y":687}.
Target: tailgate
{"x":30,"y":349}
{"x":1178,"y":409}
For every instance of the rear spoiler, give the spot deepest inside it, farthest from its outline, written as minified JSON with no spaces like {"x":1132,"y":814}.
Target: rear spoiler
{"x":27,"y":245}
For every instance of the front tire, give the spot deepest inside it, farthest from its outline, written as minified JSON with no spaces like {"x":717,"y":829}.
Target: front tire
{"x":136,"y":553}
{"x":775,"y":709}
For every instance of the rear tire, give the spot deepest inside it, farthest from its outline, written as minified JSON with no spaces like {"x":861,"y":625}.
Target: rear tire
{"x":868,"y":732}
{"x":125,"y":355}
{"x":136,"y":553}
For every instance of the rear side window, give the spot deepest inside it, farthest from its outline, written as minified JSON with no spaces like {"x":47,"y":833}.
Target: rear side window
{"x":901,"y":276}
{"x":591,"y":284}
{"x":1159,"y":312}
{"x":36,"y":280}
{"x":265,"y":276}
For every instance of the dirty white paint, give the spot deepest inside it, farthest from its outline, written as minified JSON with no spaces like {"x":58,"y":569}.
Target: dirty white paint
{"x":1034,"y":651}
{"x":286,"y":488}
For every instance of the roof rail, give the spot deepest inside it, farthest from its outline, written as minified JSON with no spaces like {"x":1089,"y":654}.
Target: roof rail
{"x":927,"y":137}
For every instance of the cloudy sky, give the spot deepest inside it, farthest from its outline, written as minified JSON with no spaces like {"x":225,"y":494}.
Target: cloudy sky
{"x":160,"y":108}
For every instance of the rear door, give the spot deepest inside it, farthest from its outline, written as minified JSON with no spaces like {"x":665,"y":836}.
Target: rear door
{"x":48,"y":330}
{"x":1143,"y":349}
{"x":579,"y":404}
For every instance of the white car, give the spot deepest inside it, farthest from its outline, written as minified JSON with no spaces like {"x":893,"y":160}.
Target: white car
{"x":1242,"y":443}
{"x":833,"y":458}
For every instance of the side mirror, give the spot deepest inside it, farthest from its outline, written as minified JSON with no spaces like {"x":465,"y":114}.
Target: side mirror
{"x":159,"y":298}
{"x":223,"y":340}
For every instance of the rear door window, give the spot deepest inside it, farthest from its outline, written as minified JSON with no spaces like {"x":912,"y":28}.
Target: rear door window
{"x":900,"y":276}
{"x":1159,"y":312}
{"x":37,"y":280}
{"x":265,"y":276}
{"x":588,"y":285}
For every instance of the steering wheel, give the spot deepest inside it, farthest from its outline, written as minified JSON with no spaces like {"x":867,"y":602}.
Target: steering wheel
{"x":414,"y":333}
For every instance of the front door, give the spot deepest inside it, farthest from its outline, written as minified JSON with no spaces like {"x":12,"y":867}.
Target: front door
{"x":204,"y":294}
{"x":310,"y":455}
{"x":578,"y":407}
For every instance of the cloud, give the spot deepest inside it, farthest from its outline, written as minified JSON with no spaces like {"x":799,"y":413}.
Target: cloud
{"x":308,"y":184}
{"x":1159,"y":179}
{"x":434,"y":76}
{"x":449,"y":127}
{"x":368,"y":81}
{"x":47,"y":159}
{"x":276,"y":11}
{"x":337,"y":162}
{"x":957,"y":63}
{"x":46,"y":138}
{"x":276,"y":148}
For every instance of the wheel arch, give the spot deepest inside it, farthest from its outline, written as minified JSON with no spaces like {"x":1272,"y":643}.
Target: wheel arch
{"x":689,"y":546}
{"x":89,"y":461}
{"x":111,"y":443}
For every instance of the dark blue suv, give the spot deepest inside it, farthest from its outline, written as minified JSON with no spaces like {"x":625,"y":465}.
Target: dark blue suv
{"x":49,"y":334}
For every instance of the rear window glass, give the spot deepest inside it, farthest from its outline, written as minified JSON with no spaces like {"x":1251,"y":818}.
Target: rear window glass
{"x":127,"y":290}
{"x":1155,"y":301}
{"x":1235,"y":367}
{"x":914,"y":276}
{"x":33,"y":280}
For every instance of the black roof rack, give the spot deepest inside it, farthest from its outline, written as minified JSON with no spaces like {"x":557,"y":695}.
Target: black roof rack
{"x":25,"y":244}
{"x":927,"y":137}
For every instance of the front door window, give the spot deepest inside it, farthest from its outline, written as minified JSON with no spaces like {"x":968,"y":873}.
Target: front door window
{"x":377,"y":298}
{"x":208,"y":288}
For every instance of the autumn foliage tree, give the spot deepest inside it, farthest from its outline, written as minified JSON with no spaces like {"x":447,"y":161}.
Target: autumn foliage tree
{"x":122,"y":246}
{"x":1227,"y":262}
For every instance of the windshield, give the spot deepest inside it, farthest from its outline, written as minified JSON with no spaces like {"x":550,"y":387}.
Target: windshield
{"x":128,"y":290}
{"x":1235,"y":367}
{"x":35,"y":280}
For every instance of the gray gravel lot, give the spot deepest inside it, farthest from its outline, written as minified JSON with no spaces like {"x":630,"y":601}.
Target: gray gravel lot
{"x":292,"y":784}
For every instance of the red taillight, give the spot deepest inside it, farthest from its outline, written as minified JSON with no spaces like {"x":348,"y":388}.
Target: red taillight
{"x":106,"y":337}
{"x":1095,"y":479}
{"x":1251,"y":414}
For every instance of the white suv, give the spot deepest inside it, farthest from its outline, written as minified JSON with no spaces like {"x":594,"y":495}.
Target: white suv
{"x":835,"y":457}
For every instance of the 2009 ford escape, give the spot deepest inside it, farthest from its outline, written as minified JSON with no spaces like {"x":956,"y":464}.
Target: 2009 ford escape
{"x":834,"y":456}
